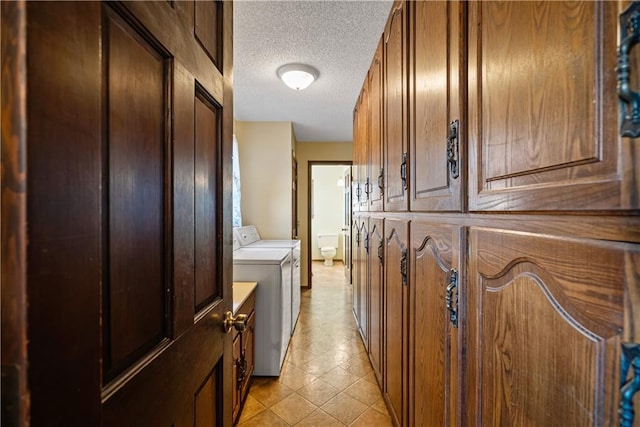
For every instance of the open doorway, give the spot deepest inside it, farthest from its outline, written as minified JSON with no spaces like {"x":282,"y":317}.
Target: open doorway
{"x":329,"y":213}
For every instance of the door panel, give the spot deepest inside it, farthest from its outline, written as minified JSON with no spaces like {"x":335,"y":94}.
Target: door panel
{"x":546,"y":140}
{"x":435,"y":57}
{"x":395,"y":114}
{"x":545,"y":329}
{"x":135,"y":168}
{"x":376,"y":295}
{"x":396,"y":319}
{"x":376,"y":128}
{"x":128,"y":155}
{"x":434,"y":364}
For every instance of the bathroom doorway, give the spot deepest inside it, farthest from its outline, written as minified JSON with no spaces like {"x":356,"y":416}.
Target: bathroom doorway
{"x":329,"y":213}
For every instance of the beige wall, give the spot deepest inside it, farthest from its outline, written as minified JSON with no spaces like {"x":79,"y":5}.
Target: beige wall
{"x":265,"y":150}
{"x":306,"y":152}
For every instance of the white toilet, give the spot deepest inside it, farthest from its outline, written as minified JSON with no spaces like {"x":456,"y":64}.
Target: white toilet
{"x":328,"y":244}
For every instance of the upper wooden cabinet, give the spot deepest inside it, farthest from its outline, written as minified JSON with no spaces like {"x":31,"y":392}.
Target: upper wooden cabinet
{"x":437,"y":87}
{"x":376,"y":158}
{"x":360,"y":201}
{"x":543,"y":109}
{"x":396,"y":170}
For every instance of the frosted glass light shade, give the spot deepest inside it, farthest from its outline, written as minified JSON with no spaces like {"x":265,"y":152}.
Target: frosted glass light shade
{"x":297,"y":76}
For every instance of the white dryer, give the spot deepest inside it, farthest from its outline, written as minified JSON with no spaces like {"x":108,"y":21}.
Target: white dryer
{"x":271,"y":268}
{"x":249,"y":238}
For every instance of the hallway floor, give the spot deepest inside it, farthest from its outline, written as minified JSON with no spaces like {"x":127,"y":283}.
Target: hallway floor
{"x":326,"y":379}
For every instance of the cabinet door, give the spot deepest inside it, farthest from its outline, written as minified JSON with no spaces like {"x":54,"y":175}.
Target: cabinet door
{"x":396,"y":319}
{"x":433,"y":368}
{"x":248,"y":348}
{"x":359,"y":169}
{"x":236,"y":386}
{"x":437,"y":80}
{"x":361,"y":290}
{"x":376,"y":294}
{"x":376,"y":177}
{"x":545,"y":319}
{"x":395,"y":96}
{"x":356,"y":273}
{"x":543,"y":108}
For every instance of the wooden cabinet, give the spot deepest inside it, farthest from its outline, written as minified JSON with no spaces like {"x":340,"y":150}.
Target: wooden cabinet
{"x":375,"y":269}
{"x":243,"y":355}
{"x":437,"y":90}
{"x":543,"y":113}
{"x":522,"y":228}
{"x":360,"y":201}
{"x":359,"y":274}
{"x":545,"y":321}
{"x":436,"y":329}
{"x":396,"y":335}
{"x":396,"y":161}
{"x":376,"y":128}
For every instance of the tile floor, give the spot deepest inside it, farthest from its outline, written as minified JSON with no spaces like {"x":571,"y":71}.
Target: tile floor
{"x":326,"y":379}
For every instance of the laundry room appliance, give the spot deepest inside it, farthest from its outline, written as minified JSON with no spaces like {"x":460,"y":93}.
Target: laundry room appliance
{"x":271,"y":268}
{"x":248,"y":237}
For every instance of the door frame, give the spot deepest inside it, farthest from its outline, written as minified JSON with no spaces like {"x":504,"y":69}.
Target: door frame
{"x":310,"y":165}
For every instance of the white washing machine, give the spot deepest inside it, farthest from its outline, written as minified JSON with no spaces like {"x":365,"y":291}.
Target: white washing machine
{"x":271,"y":268}
{"x":249,"y":238}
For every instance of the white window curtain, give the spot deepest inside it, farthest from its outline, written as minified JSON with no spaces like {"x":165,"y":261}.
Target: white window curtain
{"x":237,"y":213}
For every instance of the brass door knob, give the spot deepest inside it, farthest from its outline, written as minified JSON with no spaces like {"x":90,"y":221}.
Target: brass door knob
{"x":239,"y":322}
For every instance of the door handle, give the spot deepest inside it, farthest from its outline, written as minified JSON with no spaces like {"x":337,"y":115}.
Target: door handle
{"x":239,"y":322}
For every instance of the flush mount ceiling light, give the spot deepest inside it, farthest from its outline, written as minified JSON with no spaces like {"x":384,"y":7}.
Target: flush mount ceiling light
{"x":297,"y":76}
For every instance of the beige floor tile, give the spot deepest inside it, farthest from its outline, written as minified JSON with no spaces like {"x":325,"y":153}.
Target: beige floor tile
{"x":294,"y":377}
{"x":364,"y":391}
{"x":293,"y":408}
{"x":251,"y":408}
{"x":370,"y":418}
{"x":339,"y":378}
{"x":319,"y":418}
{"x":344,"y":408}
{"x":380,"y":406}
{"x":264,"y":419}
{"x":268,"y":391}
{"x":318,"y":392}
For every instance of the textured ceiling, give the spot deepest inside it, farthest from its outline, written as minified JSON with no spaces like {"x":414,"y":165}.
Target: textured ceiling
{"x":338,"y":38}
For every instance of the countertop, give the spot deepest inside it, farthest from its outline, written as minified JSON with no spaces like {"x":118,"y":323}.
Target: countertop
{"x":241,"y":291}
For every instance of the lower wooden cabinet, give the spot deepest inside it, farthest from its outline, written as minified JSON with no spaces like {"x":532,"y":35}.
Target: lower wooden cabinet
{"x":545,"y":317}
{"x":375,"y":260}
{"x":395,"y":388}
{"x":243,"y":356}
{"x":435,"y":326}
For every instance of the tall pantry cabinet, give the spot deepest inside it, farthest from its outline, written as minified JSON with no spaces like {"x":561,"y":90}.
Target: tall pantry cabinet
{"x":509,"y":277}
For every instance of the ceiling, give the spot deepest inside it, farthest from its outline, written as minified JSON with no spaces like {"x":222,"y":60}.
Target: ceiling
{"x":338,"y":38}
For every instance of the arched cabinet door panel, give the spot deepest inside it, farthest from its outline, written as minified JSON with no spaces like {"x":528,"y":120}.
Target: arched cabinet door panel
{"x":545,"y":323}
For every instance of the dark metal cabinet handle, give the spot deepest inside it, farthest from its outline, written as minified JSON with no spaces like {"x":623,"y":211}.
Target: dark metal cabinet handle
{"x":450,"y":302}
{"x":367,"y":188}
{"x":403,"y":267}
{"x":403,"y":171}
{"x":629,"y":100}
{"x":366,"y":243}
{"x":381,"y":181}
{"x":628,"y":388}
{"x":380,"y":253}
{"x":453,"y":149}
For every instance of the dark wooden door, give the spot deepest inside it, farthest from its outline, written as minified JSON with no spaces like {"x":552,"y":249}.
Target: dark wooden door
{"x":545,"y":321}
{"x":129,"y":115}
{"x":434,"y":360}
{"x":396,"y":178}
{"x":376,"y":294}
{"x":396,"y":319}
{"x":437,"y":85}
{"x":543,"y":109}
{"x":375,"y":158}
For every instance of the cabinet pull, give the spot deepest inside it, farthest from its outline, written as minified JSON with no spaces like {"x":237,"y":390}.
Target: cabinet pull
{"x":358,"y":238}
{"x":629,"y":100}
{"x":358,"y":192}
{"x":630,"y":358}
{"x":366,"y":243}
{"x":367,"y":188}
{"x":380,"y":255}
{"x":403,"y":171}
{"x":242,"y":370}
{"x":381,"y":181}
{"x":453,"y":149}
{"x":449,"y":299}
{"x":403,"y":266}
